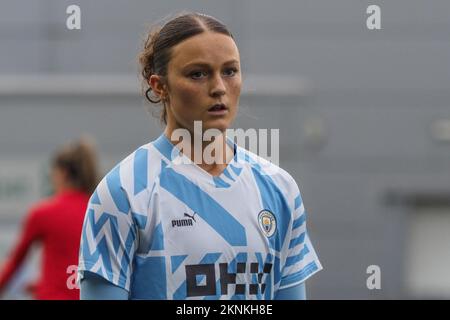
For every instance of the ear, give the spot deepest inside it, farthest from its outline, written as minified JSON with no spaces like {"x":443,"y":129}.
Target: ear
{"x":157,"y":85}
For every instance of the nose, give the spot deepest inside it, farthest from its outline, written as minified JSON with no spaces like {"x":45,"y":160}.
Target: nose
{"x":217,"y":86}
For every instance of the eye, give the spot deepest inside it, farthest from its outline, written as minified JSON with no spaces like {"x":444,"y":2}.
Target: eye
{"x":198,"y":74}
{"x":229,"y":72}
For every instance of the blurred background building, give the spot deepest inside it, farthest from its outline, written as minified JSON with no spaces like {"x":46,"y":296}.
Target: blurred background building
{"x":364,"y":118}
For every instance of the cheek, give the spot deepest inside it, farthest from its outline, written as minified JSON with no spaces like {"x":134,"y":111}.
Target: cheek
{"x":235,"y":89}
{"x":186,"y":95}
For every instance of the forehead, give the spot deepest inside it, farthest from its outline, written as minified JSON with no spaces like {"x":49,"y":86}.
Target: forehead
{"x":208,"y":47}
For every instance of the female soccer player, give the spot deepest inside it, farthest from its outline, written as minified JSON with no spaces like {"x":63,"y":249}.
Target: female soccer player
{"x":160,"y":228}
{"x":56,"y":223}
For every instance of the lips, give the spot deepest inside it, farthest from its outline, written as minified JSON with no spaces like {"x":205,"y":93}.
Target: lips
{"x":218,"y":107}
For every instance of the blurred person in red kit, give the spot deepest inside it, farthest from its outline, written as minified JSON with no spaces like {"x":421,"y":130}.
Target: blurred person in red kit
{"x":56,"y":223}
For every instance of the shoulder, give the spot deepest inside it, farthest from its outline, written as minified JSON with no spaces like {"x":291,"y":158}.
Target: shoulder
{"x":270,"y":172}
{"x":128,"y":179}
{"x":43,"y":207}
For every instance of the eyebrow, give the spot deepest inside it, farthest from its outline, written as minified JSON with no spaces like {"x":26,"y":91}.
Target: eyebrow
{"x":204,"y":64}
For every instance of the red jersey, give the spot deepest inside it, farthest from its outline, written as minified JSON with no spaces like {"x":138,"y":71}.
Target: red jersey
{"x":55,"y":222}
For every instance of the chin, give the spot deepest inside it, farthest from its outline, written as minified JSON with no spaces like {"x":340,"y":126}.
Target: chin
{"x":220,"y":124}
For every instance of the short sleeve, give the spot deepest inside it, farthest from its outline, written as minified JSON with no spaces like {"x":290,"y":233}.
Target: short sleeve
{"x":109,"y":235}
{"x":301,"y":259}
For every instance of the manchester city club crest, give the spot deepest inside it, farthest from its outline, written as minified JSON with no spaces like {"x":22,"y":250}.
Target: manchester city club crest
{"x":267,"y":222}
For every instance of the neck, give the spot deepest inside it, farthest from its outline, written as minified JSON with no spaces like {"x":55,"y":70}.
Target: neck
{"x":63,"y":188}
{"x":212,"y":156}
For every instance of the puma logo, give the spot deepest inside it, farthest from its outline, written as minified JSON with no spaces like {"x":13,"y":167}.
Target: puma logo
{"x":189,"y":216}
{"x":184,"y":222}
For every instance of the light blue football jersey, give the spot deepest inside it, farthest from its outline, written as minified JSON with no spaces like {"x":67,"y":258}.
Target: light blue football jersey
{"x":167,"y":229}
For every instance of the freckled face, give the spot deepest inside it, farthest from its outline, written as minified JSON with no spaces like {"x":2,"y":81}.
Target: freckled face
{"x":204,"y":70}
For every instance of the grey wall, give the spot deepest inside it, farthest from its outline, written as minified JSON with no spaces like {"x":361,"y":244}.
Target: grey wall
{"x":359,"y":141}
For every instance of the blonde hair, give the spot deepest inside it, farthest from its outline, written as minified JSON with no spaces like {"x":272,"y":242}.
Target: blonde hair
{"x":79,"y":160}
